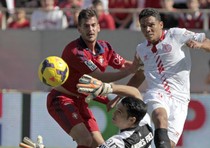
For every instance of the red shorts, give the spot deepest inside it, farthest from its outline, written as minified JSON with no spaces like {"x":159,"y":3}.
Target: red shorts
{"x":69,"y":111}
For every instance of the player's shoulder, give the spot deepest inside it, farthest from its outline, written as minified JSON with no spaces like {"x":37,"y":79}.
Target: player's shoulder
{"x":176,"y":31}
{"x":72,"y":46}
{"x":104,"y":44}
{"x":142,"y":45}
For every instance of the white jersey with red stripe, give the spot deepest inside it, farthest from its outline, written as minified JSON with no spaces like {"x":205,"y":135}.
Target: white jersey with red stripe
{"x":167,"y":64}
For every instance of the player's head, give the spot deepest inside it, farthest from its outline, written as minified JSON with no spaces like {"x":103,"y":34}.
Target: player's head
{"x":129,"y":112}
{"x":86,"y":14}
{"x":88,"y":25}
{"x":151,"y":24}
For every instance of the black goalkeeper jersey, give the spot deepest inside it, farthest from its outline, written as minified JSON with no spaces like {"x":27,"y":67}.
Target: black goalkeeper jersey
{"x":138,"y":137}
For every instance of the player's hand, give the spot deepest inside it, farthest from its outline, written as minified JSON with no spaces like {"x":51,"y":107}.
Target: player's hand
{"x":28,"y":143}
{"x":93,"y":87}
{"x":194,"y":44}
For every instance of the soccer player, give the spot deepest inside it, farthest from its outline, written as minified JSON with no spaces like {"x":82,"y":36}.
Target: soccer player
{"x":166,"y":58}
{"x":127,"y":115}
{"x":85,"y":55}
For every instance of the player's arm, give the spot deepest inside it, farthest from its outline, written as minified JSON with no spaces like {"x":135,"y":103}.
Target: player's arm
{"x":127,"y":64}
{"x":125,"y":90}
{"x":127,"y":69}
{"x":90,"y":85}
{"x":199,"y":45}
{"x":137,"y":79}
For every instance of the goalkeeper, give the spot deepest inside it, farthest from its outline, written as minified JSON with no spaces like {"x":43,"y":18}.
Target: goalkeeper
{"x":129,"y":112}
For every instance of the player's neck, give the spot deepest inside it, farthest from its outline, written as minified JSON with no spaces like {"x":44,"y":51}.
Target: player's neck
{"x":91,"y":46}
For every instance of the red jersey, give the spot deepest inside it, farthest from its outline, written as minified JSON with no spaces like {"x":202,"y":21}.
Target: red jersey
{"x":16,"y":25}
{"x":106,"y":21}
{"x":82,"y":61}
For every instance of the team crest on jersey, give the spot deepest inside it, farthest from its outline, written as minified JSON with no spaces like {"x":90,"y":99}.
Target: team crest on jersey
{"x":101,"y":59}
{"x":118,"y":59}
{"x":90,"y":65}
{"x":167,"y":47}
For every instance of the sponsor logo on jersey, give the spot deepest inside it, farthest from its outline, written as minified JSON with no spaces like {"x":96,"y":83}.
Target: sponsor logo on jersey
{"x":90,"y":65}
{"x":118,"y":59}
{"x":144,"y":141}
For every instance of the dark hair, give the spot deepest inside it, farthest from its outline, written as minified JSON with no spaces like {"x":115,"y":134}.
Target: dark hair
{"x":86,"y":14}
{"x":147,"y":12}
{"x":135,"y":108}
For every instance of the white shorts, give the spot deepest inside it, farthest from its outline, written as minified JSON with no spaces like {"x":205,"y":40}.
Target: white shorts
{"x":176,"y":112}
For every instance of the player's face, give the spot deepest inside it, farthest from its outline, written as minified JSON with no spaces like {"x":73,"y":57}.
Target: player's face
{"x":89,"y":29}
{"x":151,"y":28}
{"x":120,"y":117}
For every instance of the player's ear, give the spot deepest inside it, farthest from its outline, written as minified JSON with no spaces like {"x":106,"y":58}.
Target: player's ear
{"x":161,"y":24}
{"x":132,"y":120}
{"x":99,"y":28}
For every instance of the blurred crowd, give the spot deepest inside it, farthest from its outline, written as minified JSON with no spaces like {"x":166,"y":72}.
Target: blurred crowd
{"x":62,"y":14}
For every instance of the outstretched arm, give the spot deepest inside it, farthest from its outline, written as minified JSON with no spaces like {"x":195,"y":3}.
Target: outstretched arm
{"x":95,"y":87}
{"x":137,"y":79}
{"x":125,"y":90}
{"x":127,"y":69}
{"x":200,"y":45}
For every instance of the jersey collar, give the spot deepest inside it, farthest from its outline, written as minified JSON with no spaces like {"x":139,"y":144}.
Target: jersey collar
{"x":99,"y":48}
{"x":161,"y":38}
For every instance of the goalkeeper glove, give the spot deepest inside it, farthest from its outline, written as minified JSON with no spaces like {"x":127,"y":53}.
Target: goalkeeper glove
{"x":28,"y":143}
{"x":93,"y":87}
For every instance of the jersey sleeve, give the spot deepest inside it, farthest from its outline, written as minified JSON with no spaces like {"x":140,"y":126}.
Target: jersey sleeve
{"x":183,"y":35}
{"x":116,"y":61}
{"x":113,"y":142}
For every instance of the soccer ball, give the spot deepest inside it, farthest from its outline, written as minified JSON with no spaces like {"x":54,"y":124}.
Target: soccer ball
{"x":53,"y":71}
